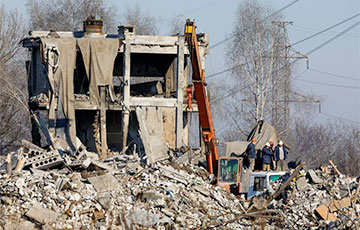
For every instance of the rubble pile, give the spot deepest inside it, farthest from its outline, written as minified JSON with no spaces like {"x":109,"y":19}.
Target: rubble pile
{"x":320,"y":199}
{"x":52,"y":189}
{"x":117,"y":193}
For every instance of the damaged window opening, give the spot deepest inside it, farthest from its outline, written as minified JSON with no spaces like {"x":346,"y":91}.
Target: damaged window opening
{"x":81,"y":80}
{"x":153,"y":75}
{"x":118,"y":75}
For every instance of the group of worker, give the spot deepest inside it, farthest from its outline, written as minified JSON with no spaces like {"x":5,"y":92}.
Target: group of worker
{"x":272,"y":157}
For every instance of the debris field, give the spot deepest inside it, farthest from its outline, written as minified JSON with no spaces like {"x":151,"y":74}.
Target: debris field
{"x":121,"y":192}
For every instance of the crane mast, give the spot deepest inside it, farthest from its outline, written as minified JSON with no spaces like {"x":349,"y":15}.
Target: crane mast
{"x":202,"y":99}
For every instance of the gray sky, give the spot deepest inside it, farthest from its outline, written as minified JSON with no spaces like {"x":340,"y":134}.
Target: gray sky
{"x":340,"y":57}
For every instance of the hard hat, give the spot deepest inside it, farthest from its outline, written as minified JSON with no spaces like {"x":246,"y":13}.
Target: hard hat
{"x":281,"y":143}
{"x":271,"y":143}
{"x":267,"y":144}
{"x":253,"y":140}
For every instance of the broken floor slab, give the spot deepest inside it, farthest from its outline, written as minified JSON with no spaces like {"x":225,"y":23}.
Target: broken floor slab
{"x":301,"y":183}
{"x":145,"y":218}
{"x":104,"y":183}
{"x":41,"y":214}
{"x":154,"y":146}
{"x":20,"y":225}
{"x":314,"y":177}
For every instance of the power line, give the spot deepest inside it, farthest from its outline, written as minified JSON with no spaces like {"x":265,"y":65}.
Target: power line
{"x":224,"y":71}
{"x":329,"y":115}
{"x":333,"y":85}
{"x":229,"y":94}
{"x":333,"y":38}
{"x":313,"y":29}
{"x":350,"y":35}
{"x":199,"y":8}
{"x":300,"y":74}
{"x":311,"y":51}
{"x":329,"y":28}
{"x":335,"y":75}
{"x":276,"y":12}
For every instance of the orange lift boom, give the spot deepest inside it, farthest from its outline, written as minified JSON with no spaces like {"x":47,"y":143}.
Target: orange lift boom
{"x":198,"y":79}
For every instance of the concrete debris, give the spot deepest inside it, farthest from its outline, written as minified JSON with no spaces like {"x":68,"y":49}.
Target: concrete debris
{"x":165,"y":195}
{"x":104,"y":183}
{"x":301,"y":184}
{"x":320,"y":200}
{"x":121,"y":192}
{"x":41,"y":214}
{"x":314,"y":178}
{"x":325,"y":214}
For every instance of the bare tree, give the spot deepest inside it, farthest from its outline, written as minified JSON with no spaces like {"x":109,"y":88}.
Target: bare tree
{"x":13,"y":106}
{"x":334,"y":140}
{"x":145,"y":23}
{"x":68,"y":15}
{"x":176,"y":25}
{"x":252,"y":53}
{"x":11,"y":32}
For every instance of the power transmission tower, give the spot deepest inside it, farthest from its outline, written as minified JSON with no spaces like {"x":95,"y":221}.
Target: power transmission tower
{"x":280,"y":94}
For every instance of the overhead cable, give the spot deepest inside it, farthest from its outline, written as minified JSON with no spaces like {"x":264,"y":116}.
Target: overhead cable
{"x":333,"y":38}
{"x":329,"y":115}
{"x":308,"y":53}
{"x":329,"y":28}
{"x":333,"y":85}
{"x":276,"y":12}
{"x":199,"y":8}
{"x":335,"y":75}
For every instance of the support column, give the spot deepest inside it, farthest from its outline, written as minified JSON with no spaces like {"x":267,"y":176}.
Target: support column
{"x":52,"y":118}
{"x":103,"y":134}
{"x":180,"y":91}
{"x":126,"y":89}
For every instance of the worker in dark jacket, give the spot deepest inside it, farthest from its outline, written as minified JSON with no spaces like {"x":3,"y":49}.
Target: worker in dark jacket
{"x":280,"y":156}
{"x":251,"y":153}
{"x":266,"y":154}
{"x":273,"y":163}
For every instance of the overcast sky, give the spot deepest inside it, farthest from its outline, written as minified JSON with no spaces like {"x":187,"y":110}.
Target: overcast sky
{"x":340,"y":57}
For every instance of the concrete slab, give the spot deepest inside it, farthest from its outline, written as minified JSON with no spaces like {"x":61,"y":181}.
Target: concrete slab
{"x":104,"y":183}
{"x":301,"y":183}
{"x":41,"y":214}
{"x":314,"y":177}
{"x":155,"y":148}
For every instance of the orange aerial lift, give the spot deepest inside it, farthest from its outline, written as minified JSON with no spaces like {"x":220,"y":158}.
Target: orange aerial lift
{"x":202,"y":99}
{"x":227,"y":169}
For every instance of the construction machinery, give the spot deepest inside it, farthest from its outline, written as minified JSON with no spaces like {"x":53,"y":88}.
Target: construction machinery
{"x":227,"y":169}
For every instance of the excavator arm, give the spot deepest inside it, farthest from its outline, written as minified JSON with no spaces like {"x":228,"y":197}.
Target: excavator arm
{"x":198,"y":79}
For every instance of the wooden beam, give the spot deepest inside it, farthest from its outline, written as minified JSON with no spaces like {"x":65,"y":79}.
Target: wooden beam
{"x":335,"y":168}
{"x":282,"y":188}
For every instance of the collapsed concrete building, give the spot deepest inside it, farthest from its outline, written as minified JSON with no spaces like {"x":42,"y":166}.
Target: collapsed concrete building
{"x":102,"y":89}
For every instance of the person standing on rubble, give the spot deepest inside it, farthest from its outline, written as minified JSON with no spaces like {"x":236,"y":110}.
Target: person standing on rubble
{"x":272,"y":149}
{"x":266,"y":155}
{"x":251,"y":153}
{"x":280,"y":156}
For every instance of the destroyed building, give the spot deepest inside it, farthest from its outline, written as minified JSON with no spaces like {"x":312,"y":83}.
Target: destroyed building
{"x":102,"y":88}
